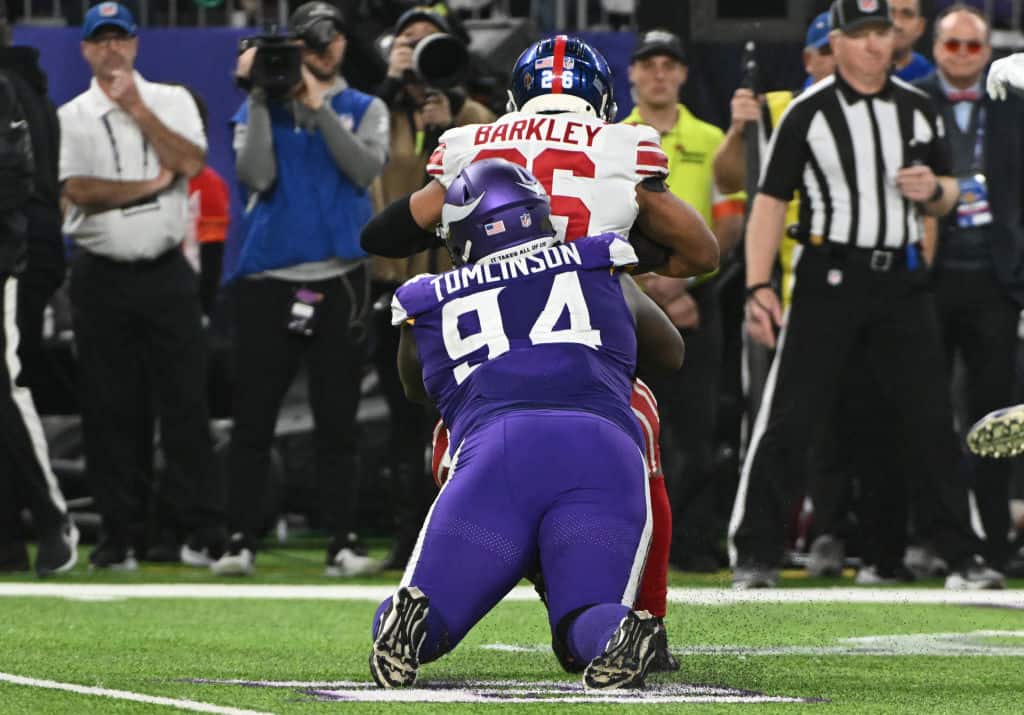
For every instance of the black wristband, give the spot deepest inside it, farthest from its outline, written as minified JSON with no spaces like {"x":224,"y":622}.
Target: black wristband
{"x":394,"y":233}
{"x":937,"y":194}
{"x":756,"y":287}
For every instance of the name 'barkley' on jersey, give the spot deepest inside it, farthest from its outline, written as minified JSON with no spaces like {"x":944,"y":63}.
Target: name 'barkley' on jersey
{"x":550,"y":329}
{"x":588,"y":167}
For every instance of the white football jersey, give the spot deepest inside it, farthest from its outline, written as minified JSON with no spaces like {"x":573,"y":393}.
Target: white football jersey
{"x":589,"y":168}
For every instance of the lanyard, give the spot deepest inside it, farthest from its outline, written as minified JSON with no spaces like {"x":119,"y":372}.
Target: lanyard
{"x":117,"y":154}
{"x":979,"y":138}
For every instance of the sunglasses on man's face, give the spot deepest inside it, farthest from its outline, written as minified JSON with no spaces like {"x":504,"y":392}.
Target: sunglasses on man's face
{"x":973,"y":47}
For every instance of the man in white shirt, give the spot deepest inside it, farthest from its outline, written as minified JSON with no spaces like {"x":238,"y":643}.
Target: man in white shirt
{"x":135,"y":300}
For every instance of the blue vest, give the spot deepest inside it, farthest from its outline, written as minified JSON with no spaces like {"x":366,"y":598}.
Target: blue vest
{"x":312,"y":212}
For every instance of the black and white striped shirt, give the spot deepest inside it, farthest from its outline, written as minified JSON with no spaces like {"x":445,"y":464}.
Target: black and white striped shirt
{"x":842,"y":149}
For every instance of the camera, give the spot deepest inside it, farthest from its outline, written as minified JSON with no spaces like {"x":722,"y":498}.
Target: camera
{"x":277,"y":66}
{"x":439,"y":60}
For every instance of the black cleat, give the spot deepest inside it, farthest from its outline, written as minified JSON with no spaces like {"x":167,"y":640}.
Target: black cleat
{"x":394,"y":659}
{"x":628,"y":656}
{"x":664,"y":661}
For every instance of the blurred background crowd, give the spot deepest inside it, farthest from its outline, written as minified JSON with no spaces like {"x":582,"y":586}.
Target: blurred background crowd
{"x":201,"y":389}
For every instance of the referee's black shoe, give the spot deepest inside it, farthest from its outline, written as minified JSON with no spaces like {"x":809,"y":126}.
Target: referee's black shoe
{"x":113,"y":552}
{"x":974,"y":574}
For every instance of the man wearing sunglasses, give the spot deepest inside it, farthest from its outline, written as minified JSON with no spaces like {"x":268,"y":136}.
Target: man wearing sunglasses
{"x":978,"y":248}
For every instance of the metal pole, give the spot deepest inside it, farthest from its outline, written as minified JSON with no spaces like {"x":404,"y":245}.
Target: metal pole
{"x":282,"y":13}
{"x":28,"y":10}
{"x":172,"y":13}
{"x":202,"y":16}
{"x":581,"y":15}
{"x":1015,"y":8}
{"x":561,"y":12}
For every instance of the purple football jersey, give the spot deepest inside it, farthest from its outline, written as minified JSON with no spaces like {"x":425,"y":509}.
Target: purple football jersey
{"x":548,"y":330}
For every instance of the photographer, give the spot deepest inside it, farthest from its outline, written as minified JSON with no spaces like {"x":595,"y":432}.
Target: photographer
{"x":307,"y":147}
{"x":420,"y":113}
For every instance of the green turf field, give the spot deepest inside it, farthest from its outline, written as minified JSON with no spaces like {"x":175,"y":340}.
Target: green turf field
{"x":301,"y":647}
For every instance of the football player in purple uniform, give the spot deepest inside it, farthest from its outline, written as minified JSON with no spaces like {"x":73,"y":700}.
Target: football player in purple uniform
{"x":529,"y":348}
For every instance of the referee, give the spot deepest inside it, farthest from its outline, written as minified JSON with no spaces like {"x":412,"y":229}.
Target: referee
{"x":865,"y":151}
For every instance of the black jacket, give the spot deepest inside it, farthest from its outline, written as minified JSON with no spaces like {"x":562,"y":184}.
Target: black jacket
{"x":1004,"y":169}
{"x":20,"y":65}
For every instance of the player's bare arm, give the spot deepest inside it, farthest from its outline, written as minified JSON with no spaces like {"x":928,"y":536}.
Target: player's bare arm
{"x":659,"y":347}
{"x":409,"y":368}
{"x":669,"y":221}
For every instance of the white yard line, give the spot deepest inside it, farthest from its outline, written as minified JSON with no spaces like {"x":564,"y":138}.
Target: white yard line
{"x":192,"y":705}
{"x":691,"y":596}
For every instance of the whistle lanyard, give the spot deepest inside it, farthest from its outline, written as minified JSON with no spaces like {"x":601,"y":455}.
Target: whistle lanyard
{"x":117,"y":153}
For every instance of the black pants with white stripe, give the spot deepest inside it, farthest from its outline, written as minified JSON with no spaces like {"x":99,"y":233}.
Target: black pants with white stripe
{"x":25,"y":474}
{"x":839,"y":303}
{"x":141,"y":345}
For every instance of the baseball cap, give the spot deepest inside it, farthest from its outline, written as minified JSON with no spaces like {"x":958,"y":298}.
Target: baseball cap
{"x":108,"y":13}
{"x":817,"y":32}
{"x":311,"y":14}
{"x":848,"y":15}
{"x":421,"y":12}
{"x":659,"y":42}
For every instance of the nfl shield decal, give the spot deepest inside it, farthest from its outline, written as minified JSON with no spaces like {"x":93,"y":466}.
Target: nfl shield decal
{"x":867,"y":5}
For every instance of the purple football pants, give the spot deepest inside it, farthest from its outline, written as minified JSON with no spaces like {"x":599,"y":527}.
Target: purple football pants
{"x":567,"y":489}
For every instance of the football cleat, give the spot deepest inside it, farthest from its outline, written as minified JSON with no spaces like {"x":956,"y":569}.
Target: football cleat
{"x":663,"y":661}
{"x":998,"y":434}
{"x":628,"y":656}
{"x":394,"y":659}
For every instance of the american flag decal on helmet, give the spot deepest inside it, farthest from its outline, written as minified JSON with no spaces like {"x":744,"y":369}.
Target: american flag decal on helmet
{"x":492,"y":229}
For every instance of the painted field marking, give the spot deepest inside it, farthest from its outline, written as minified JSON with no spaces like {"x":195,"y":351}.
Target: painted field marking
{"x":689,"y":596}
{"x":522,"y":692}
{"x":192,"y":705}
{"x":971,"y":643}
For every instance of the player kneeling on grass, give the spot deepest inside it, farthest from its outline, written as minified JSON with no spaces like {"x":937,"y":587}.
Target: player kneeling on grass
{"x":529,"y":348}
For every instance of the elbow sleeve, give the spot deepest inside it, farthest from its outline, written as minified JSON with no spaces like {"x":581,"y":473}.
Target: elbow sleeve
{"x":393,"y":233}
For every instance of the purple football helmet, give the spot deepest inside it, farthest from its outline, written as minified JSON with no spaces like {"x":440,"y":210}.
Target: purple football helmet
{"x":493,"y":206}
